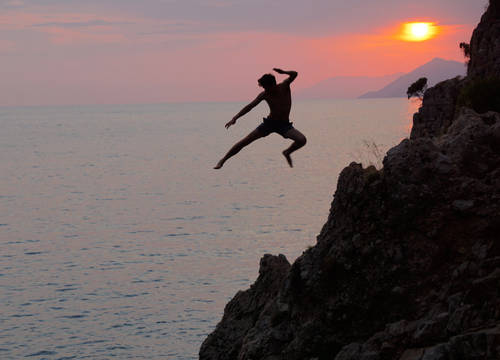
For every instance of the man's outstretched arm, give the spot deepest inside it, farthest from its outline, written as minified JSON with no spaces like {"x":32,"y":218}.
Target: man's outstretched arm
{"x":246,"y":109}
{"x":291,"y":74}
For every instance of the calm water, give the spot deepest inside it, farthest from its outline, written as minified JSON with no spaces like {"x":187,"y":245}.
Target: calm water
{"x":119,"y":240}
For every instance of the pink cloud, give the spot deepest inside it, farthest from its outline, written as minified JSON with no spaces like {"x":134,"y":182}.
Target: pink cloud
{"x":14,"y":3}
{"x":6,"y":46}
{"x":153,"y":62}
{"x":62,"y":36}
{"x":66,"y":28}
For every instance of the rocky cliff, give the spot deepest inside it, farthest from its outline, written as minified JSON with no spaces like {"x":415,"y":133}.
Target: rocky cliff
{"x":407,"y":266}
{"x":485,"y":44}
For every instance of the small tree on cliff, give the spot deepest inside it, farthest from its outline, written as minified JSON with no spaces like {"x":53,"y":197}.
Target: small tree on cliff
{"x":466,"y":49}
{"x":417,"y":89}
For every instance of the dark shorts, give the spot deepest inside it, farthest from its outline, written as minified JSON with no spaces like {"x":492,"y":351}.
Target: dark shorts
{"x":270,"y":126}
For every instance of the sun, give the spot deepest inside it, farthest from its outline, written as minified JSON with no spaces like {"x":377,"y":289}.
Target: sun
{"x":419,"y":31}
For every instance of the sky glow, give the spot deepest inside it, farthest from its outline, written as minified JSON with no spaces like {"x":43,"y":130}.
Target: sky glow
{"x":150,"y":51}
{"x":419,"y":31}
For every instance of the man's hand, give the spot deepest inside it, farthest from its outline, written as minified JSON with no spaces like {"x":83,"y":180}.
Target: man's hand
{"x":292,"y":75}
{"x":232,"y":122}
{"x":246,"y":109}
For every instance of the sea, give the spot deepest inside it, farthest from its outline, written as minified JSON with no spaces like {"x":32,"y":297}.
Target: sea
{"x":118,"y":239}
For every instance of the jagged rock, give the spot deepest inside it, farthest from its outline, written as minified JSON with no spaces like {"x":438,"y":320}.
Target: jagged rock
{"x":241,"y":312}
{"x":485,"y":44}
{"x":438,"y":109}
{"x":438,"y":352}
{"x":356,"y":351}
{"x":439,"y":105}
{"x":407,"y":265}
{"x":412,"y":354}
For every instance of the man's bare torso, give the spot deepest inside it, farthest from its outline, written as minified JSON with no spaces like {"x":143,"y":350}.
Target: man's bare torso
{"x":279,"y":99}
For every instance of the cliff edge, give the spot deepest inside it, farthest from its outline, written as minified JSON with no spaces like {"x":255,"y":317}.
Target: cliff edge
{"x":407,"y":266}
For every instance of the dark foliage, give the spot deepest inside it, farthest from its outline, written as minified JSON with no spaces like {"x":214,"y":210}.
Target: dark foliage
{"x":466,"y":49}
{"x":482,"y":95}
{"x":417,"y":89}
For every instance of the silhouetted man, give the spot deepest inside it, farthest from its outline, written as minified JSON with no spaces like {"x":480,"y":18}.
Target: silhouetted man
{"x":279,"y":99}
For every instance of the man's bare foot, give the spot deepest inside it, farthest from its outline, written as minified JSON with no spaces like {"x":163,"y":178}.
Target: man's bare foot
{"x":218,"y":166}
{"x":288,"y":158}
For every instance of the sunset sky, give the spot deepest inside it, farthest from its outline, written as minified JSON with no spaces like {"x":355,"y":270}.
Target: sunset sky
{"x":152,"y":51}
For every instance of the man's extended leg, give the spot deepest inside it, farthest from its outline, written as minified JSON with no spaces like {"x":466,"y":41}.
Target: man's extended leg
{"x":254,"y":135}
{"x":299,"y":140}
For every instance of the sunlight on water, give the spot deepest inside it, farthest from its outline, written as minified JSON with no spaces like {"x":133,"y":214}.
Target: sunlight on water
{"x":119,"y":240}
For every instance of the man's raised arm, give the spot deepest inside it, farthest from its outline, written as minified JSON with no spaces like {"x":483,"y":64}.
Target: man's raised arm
{"x":291,"y":74}
{"x":246,"y":109}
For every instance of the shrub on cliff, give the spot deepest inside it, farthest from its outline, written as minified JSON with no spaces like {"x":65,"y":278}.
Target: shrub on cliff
{"x":466,"y":49}
{"x":481,"y":95}
{"x":417,"y":89}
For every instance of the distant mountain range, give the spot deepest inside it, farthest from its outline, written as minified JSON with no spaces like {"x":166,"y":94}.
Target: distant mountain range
{"x":344,"y":87}
{"x":394,"y":85}
{"x":435,"y":71}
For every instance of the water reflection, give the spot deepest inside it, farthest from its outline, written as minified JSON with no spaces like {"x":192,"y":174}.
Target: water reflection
{"x":118,"y":239}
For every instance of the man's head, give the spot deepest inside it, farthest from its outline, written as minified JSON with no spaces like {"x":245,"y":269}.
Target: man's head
{"x":267,"y":81}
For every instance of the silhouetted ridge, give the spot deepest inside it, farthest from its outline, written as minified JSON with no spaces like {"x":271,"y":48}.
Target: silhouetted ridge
{"x":407,"y":265}
{"x":435,"y":71}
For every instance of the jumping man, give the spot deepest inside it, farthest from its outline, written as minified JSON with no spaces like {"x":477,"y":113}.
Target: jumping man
{"x":279,"y":99}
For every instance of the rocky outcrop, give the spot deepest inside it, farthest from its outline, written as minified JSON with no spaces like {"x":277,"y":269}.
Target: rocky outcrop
{"x":439,"y":106}
{"x":485,"y":44}
{"x":407,"y":266}
{"x":438,"y":109}
{"x":242,"y":312}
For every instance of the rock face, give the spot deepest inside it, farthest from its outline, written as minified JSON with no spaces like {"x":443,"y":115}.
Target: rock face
{"x":485,"y":44}
{"x":241,"y":312}
{"x":438,"y":109}
{"x":440,"y":102}
{"x":407,"y":266}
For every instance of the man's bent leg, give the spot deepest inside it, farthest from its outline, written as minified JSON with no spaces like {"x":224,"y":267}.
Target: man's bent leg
{"x":299,"y":140}
{"x":254,"y":135}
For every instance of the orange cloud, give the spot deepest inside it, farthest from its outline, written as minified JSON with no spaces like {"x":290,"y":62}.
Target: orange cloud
{"x":408,"y":31}
{"x":419,"y":31}
{"x":155,"y":61}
